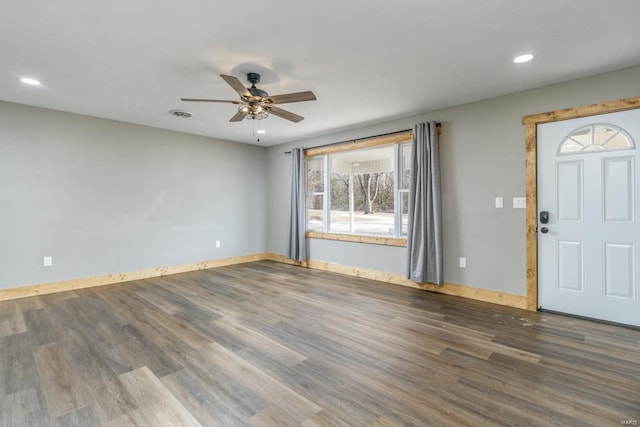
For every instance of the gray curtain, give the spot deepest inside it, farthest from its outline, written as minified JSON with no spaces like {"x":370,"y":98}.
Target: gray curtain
{"x":424,"y":232}
{"x":296,"y":249}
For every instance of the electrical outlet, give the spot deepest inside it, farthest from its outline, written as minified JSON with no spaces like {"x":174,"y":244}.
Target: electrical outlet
{"x":463,"y":263}
{"x":217,"y":243}
{"x":499,"y":202}
{"x":47,"y":261}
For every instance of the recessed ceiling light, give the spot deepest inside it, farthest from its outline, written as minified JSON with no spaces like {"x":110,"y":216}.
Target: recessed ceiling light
{"x":29,"y":81}
{"x":523,"y":58}
{"x":261,"y":131}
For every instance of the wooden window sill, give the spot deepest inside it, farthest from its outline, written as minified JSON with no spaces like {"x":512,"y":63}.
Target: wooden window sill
{"x":355,"y":238}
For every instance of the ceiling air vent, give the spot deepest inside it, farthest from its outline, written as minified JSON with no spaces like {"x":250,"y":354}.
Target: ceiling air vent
{"x":180,"y":113}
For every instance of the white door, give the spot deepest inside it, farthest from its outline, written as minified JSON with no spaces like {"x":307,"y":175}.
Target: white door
{"x":588,"y":252}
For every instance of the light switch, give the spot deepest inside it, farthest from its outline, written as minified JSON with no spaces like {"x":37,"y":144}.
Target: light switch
{"x":519,"y":202}
{"x":499,"y":202}
{"x":47,"y":261}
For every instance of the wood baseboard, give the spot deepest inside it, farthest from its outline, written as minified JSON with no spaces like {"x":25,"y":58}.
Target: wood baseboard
{"x":485,"y":295}
{"x":108,"y":279}
{"x":396,"y":279}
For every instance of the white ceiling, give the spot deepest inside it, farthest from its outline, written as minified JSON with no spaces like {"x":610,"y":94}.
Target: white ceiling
{"x":366,"y":60}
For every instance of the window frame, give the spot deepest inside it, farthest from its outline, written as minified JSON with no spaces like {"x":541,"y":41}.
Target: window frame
{"x":398,"y":140}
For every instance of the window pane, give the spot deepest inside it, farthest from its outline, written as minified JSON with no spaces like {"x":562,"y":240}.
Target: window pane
{"x":594,"y":138}
{"x":315,"y":175}
{"x":377,"y":223}
{"x":404,"y":205}
{"x":371,"y":170}
{"x":315,"y":213}
{"x":340,"y":222}
{"x":405,"y":166}
{"x":340,"y":218}
{"x":582,"y":136}
{"x":571,"y":146}
{"x":373,"y":200}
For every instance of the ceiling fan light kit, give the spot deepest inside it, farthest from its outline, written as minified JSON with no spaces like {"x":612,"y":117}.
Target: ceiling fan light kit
{"x":254,"y":111}
{"x":256,"y":104}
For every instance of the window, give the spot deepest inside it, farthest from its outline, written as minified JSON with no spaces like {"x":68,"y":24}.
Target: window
{"x":315,"y":193}
{"x":360,"y":188}
{"x":596,"y":138}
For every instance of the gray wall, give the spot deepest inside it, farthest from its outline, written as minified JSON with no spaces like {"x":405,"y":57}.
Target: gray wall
{"x":482,"y":155}
{"x":106,"y":197}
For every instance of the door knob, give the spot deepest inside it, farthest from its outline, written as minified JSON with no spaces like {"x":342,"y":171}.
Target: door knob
{"x":544,"y":230}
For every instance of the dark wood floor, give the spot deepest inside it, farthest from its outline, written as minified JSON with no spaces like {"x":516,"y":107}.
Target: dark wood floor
{"x":270,"y":344}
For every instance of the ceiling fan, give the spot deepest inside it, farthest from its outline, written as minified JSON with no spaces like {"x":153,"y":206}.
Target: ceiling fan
{"x":256,"y":104}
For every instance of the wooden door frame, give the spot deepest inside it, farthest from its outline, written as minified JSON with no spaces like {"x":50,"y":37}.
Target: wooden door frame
{"x":531,"y":123}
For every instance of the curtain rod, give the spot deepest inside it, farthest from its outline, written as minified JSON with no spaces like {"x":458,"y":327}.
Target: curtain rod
{"x":438,"y":125}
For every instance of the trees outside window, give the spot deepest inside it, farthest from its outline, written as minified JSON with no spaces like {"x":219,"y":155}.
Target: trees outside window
{"x":364,"y":197}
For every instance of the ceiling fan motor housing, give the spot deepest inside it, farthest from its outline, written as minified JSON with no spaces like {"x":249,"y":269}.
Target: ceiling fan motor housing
{"x":257,"y":92}
{"x":253,"y":78}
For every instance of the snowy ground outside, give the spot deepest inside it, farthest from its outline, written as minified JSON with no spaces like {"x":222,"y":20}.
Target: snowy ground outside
{"x":379,"y":223}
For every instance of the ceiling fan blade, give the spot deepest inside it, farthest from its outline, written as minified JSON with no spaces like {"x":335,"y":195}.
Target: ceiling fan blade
{"x":238,"y":116}
{"x":209,"y":100}
{"x":236,"y":85}
{"x":291,"y":97}
{"x":285,"y":114}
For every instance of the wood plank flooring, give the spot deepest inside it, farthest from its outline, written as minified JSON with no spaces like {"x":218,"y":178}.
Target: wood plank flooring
{"x":264,"y":344}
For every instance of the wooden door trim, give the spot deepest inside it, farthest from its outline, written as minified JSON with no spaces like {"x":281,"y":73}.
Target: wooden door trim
{"x":531,"y":123}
